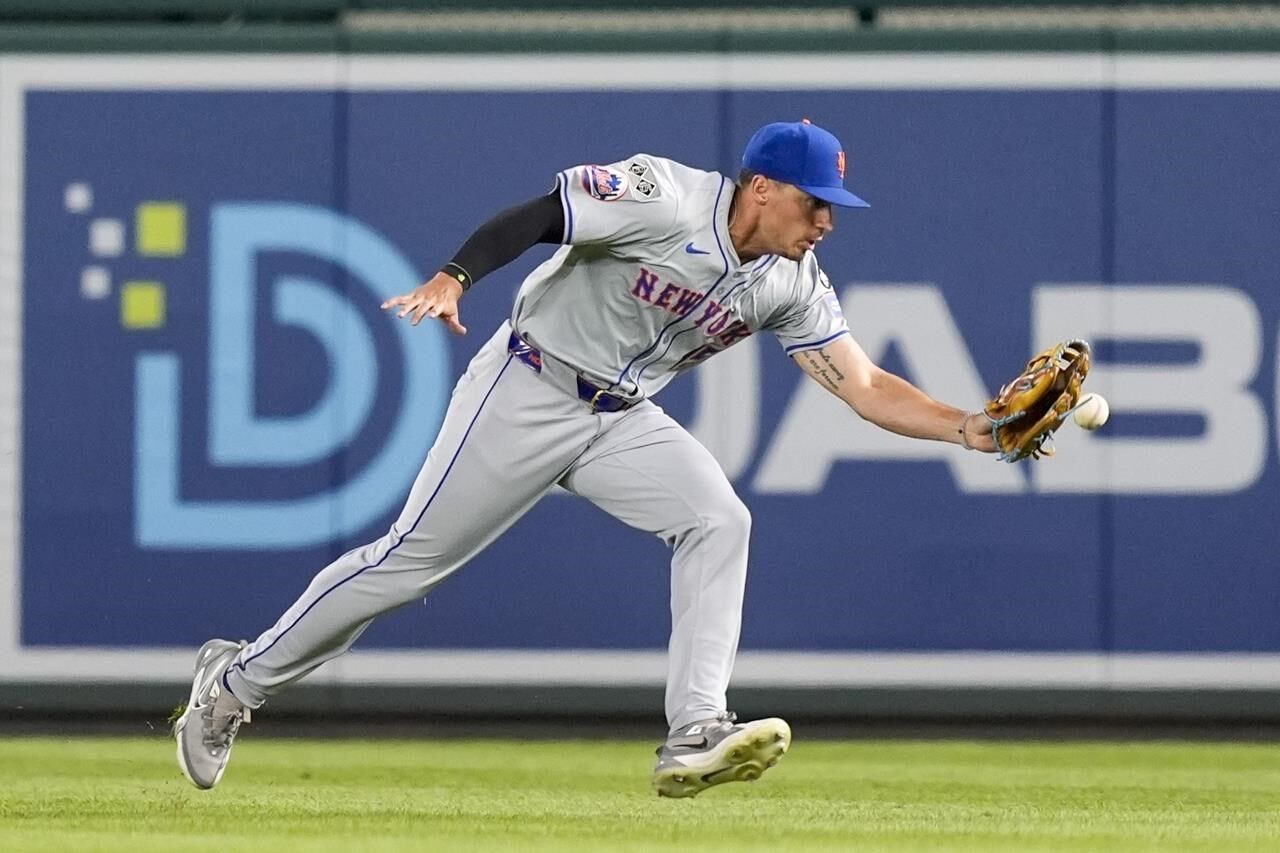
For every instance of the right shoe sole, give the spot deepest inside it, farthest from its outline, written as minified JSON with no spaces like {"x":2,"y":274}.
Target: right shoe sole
{"x":741,"y":757}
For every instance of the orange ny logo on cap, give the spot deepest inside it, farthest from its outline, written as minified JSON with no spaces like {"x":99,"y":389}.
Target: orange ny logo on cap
{"x":840,"y":163}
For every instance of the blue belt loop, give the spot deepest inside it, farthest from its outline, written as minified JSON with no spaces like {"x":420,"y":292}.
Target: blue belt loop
{"x":598,"y":398}
{"x":522,"y":350}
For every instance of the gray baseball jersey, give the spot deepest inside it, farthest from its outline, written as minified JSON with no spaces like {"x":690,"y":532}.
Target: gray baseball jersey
{"x":649,"y":283}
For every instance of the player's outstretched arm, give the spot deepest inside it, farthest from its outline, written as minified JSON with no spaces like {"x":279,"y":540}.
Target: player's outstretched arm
{"x":889,"y":401}
{"x":437,"y":298}
{"x":494,"y":244}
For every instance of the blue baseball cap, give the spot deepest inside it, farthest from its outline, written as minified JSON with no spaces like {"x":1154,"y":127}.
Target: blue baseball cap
{"x":801,"y":153}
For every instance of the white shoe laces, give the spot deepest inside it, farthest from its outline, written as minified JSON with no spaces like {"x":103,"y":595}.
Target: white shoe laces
{"x":219,"y":735}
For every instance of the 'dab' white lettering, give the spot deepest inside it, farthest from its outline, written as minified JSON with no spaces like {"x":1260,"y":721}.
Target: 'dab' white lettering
{"x":1225,"y":325}
{"x":727,"y":416}
{"x":817,"y":432}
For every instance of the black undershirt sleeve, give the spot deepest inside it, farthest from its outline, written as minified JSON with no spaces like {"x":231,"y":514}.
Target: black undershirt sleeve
{"x":505,"y":237}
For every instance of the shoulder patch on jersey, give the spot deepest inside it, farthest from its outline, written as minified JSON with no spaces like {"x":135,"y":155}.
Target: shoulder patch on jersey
{"x":645,"y":188}
{"x":644,"y":183}
{"x":604,"y":183}
{"x":823,"y":281}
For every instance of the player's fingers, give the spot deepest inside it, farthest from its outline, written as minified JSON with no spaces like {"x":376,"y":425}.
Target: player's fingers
{"x":423,"y":309}
{"x":407,"y":304}
{"x":396,"y":300}
{"x":451,"y":320}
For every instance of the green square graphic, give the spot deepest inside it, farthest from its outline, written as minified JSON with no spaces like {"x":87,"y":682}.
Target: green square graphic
{"x":162,"y":229}
{"x":142,"y":305}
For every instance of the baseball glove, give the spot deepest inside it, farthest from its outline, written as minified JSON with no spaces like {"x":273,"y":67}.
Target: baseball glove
{"x":1027,"y":411}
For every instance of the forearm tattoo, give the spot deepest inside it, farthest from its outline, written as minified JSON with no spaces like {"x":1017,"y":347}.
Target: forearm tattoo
{"x":823,"y":367}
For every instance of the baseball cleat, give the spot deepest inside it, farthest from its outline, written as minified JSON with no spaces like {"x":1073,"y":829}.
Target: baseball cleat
{"x":719,"y":750}
{"x":204,"y":730}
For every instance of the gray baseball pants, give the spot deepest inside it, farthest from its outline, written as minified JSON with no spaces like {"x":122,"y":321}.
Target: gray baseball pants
{"x":509,"y":435}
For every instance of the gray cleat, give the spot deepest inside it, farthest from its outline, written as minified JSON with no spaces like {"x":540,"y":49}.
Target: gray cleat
{"x":204,"y":732}
{"x":719,"y":750}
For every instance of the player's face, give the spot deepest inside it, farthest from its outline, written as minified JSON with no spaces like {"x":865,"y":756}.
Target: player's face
{"x":797,"y":221}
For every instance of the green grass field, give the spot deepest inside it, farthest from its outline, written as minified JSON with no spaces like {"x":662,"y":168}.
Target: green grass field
{"x":128,"y":795}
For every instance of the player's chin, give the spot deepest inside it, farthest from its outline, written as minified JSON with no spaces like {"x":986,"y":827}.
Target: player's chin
{"x":795,"y":253}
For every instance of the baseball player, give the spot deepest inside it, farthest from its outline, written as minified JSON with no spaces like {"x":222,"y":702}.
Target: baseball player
{"x":660,"y":267}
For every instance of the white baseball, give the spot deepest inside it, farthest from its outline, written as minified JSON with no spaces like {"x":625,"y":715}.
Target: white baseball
{"x":1092,"y":412}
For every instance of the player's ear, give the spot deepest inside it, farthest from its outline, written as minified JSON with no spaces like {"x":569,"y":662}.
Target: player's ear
{"x":761,"y":188}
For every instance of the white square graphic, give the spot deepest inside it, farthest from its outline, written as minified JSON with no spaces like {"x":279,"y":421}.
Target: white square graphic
{"x":78,"y":198}
{"x":95,"y":283}
{"x":106,"y":238}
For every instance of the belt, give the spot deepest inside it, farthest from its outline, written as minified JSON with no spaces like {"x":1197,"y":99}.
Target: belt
{"x":599,"y":399}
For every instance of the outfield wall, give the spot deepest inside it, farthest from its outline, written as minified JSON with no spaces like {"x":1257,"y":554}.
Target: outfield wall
{"x":203,"y":405}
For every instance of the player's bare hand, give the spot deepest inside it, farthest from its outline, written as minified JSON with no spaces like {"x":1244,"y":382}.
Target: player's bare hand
{"x":437,"y":298}
{"x":976,"y":433}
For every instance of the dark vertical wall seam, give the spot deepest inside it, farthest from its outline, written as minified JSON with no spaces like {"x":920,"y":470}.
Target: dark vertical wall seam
{"x":341,"y":202}
{"x":724,"y":114}
{"x":1106,"y":501}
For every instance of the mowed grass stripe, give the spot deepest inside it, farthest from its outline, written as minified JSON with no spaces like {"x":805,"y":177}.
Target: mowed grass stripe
{"x":324,"y":795}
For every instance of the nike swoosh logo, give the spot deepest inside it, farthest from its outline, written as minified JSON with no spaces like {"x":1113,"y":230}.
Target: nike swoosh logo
{"x":689,"y":248}
{"x":710,"y":778}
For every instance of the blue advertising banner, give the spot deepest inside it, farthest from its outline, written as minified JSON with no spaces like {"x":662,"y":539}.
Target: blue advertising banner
{"x":213,"y":406}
